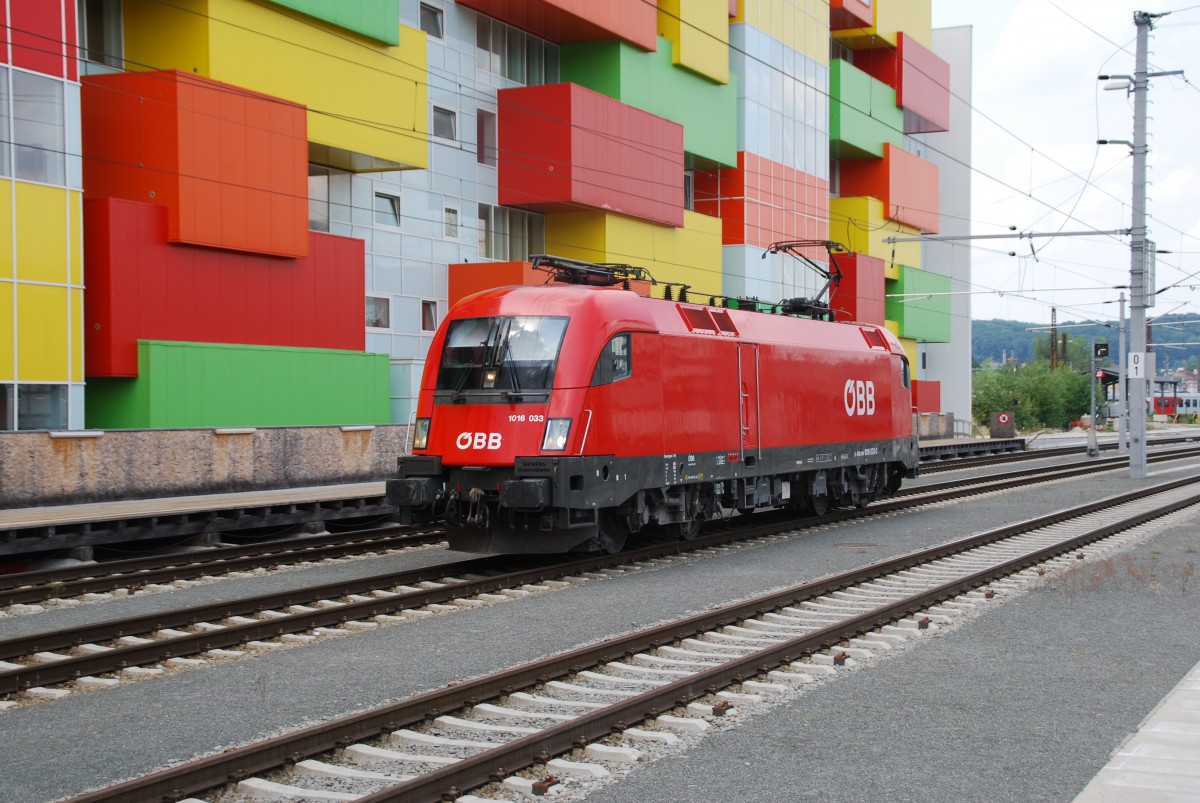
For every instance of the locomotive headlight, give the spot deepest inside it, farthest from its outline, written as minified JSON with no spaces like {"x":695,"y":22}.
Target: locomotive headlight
{"x":421,"y":434}
{"x":557,"y":430}
{"x":489,"y":378}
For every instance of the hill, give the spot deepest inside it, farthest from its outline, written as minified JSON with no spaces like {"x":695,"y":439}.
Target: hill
{"x":996,"y":340}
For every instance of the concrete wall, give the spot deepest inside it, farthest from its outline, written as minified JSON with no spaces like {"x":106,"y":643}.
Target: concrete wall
{"x":53,"y":468}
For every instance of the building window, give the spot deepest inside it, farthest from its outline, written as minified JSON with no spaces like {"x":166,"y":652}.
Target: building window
{"x":387,"y":210}
{"x":41,"y":406}
{"x":39,"y":128}
{"x":443,"y":123}
{"x":318,"y":198}
{"x":510,"y":234}
{"x":689,"y":190}
{"x":6,"y":407}
{"x":513,"y":54}
{"x":100,"y":36}
{"x":379,"y":312}
{"x":429,"y":316}
{"x":5,"y":138}
{"x":450,"y":216}
{"x":485,"y":138}
{"x":431,"y":20}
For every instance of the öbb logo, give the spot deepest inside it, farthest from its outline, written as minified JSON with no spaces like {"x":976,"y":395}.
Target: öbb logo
{"x":859,"y":397}
{"x":478,"y":440}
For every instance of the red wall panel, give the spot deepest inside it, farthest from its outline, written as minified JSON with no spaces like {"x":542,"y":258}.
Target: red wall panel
{"x":37,"y":31}
{"x":566,"y":21}
{"x":850,"y":14}
{"x":230,"y":165}
{"x":921,"y":81}
{"x":760,"y":202}
{"x":924,"y":91}
{"x":927,"y":396}
{"x":860,"y":295}
{"x":907,"y":185}
{"x":563,"y":146}
{"x":140,"y":286}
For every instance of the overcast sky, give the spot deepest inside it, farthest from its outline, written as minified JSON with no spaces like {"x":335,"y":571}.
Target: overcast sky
{"x":1038,"y":111}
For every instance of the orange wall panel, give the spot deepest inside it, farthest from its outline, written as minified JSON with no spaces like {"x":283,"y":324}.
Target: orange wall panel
{"x":907,"y":185}
{"x":230,"y":165}
{"x":761,"y":202}
{"x":468,"y":278}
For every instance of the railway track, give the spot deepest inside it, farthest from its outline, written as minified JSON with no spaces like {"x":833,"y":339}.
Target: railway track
{"x":137,"y":573}
{"x":50,"y":665}
{"x":588,"y":711}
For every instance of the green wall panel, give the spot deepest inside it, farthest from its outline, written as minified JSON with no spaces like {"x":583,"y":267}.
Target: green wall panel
{"x":217,"y":385}
{"x":862,"y":114}
{"x":921,"y":318}
{"x":377,"y":19}
{"x":707,"y":111}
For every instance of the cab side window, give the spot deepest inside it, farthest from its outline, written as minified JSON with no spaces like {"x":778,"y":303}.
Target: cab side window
{"x":615,"y":361}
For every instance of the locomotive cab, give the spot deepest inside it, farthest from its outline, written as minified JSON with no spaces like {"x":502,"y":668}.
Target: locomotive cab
{"x":500,"y":410}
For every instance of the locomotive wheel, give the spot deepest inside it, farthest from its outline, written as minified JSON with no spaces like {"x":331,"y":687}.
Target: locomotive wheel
{"x":612,"y":535}
{"x":819,"y":504}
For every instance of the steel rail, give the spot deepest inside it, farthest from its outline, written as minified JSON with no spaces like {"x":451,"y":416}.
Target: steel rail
{"x":77,"y":580}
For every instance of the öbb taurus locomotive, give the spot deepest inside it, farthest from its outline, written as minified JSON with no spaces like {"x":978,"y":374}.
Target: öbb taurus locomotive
{"x":566,"y":417}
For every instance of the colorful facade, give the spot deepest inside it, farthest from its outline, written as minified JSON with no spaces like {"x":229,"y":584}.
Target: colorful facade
{"x":41,"y":219}
{"x":251,"y":204}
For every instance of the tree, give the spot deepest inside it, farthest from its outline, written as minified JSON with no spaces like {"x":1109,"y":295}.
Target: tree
{"x":1044,"y":398}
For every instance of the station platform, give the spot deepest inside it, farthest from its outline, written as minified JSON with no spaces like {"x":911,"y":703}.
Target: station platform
{"x":1161,"y":761}
{"x":52,"y":527}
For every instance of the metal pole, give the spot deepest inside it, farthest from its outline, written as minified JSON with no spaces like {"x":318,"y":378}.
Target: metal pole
{"x":1093,"y":445}
{"x":1122,"y":394}
{"x":1137,"y":262}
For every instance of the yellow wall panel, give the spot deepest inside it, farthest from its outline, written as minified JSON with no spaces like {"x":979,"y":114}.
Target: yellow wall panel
{"x":43,"y":333}
{"x":910,"y":350}
{"x":699,"y":32}
{"x":6,"y":231}
{"x":147,"y":47}
{"x":913,"y":17}
{"x":363,"y":97}
{"x":6,"y":332}
{"x":691,"y":254}
{"x":41,"y":233}
{"x":858,"y":223}
{"x":75,"y":244}
{"x":76,"y":334}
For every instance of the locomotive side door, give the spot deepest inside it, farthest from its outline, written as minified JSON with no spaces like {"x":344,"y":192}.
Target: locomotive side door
{"x":748,"y":407}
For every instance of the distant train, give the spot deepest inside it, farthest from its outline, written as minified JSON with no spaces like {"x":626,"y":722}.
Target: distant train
{"x":1178,"y":404}
{"x":564,"y":417}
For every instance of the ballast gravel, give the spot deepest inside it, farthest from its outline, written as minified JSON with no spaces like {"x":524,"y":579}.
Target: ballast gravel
{"x":1025,"y":702}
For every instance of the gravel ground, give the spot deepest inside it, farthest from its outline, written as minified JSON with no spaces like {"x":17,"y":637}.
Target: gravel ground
{"x":1078,"y":667}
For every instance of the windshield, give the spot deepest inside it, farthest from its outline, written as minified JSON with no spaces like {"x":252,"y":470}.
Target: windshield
{"x":511,"y":354}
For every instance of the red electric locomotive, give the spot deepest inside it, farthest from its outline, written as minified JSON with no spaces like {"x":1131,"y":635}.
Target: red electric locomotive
{"x":566,"y":417}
